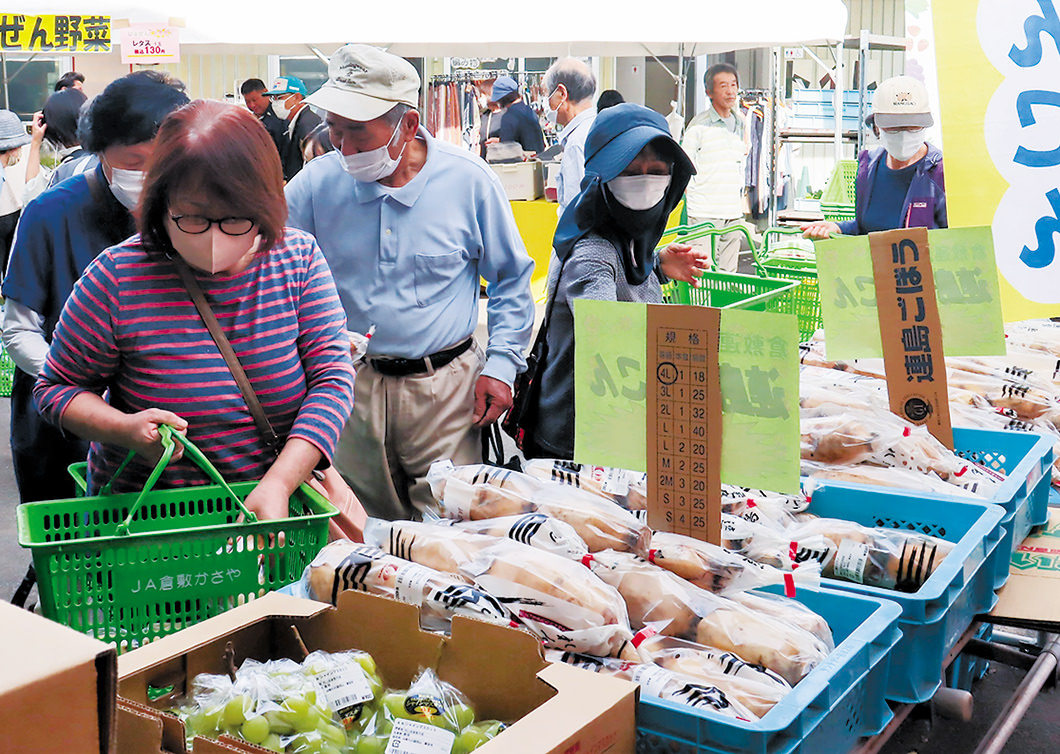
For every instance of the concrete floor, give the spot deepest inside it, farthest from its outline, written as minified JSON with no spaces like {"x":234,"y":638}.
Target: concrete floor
{"x":1038,"y":734}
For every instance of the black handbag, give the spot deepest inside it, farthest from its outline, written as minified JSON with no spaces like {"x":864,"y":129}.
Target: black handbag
{"x":520,"y":423}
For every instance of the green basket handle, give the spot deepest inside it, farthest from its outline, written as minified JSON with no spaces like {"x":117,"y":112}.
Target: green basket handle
{"x":168,"y":436}
{"x":774,"y":231}
{"x":713,"y":233}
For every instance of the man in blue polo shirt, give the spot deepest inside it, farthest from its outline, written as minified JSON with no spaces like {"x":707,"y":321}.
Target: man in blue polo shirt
{"x":408,"y":225}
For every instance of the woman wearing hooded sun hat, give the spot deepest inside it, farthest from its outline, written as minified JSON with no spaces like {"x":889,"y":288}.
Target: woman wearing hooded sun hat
{"x":604,"y":249}
{"x":900,"y":185}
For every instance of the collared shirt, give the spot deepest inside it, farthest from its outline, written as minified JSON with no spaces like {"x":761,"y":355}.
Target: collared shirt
{"x":718,"y":152}
{"x":572,"y":166}
{"x":408,"y":259}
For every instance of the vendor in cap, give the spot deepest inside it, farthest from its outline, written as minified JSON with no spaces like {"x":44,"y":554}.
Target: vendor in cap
{"x":604,"y":249}
{"x":408,"y":224}
{"x":900,"y":185}
{"x":288,"y":102}
{"x":519,"y":123}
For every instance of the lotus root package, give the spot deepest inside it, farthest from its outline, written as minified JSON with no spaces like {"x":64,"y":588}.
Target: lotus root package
{"x":477,"y":492}
{"x":345,"y":565}
{"x":627,"y":488}
{"x":534,"y":529}
{"x":678,"y":608}
{"x":442,"y":548}
{"x":661,"y":683}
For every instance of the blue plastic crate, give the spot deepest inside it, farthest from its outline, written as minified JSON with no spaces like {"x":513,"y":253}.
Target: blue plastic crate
{"x":828,"y":711}
{"x":936,"y":616}
{"x":966,"y":669}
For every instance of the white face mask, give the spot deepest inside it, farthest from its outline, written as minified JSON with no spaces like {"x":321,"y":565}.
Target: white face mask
{"x":639,"y":192}
{"x":552,"y":116}
{"x":212,"y":251}
{"x":375,"y":164}
{"x":902,"y":145}
{"x":279,"y":106}
{"x":126,"y":186}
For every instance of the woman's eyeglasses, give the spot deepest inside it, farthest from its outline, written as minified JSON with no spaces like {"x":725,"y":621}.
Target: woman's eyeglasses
{"x":196,"y":224}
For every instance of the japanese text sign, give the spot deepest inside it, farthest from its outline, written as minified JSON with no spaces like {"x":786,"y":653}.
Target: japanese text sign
{"x":910,"y":330}
{"x":150,"y":43}
{"x":1003,"y":100}
{"x":78,"y":34}
{"x":758,"y":373}
{"x":966,"y":289}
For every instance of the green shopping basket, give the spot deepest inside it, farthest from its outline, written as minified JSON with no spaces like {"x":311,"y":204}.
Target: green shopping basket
{"x":79,"y":473}
{"x":7,"y":373}
{"x":779,"y":263}
{"x":840,"y":195}
{"x":130,"y":568}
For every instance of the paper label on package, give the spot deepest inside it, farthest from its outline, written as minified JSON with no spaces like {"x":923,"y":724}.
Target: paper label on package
{"x":410,"y":584}
{"x":851,"y":560}
{"x":458,"y":496}
{"x":652,"y":679}
{"x":344,"y":687}
{"x":413,"y":737}
{"x":614,"y":481}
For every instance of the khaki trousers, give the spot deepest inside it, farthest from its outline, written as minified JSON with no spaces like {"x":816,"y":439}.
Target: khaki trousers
{"x":400,"y":426}
{"x":727,"y":247}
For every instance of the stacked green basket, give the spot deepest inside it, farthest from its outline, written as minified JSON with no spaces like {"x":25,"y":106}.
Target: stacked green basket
{"x":7,"y":373}
{"x":837,"y":201}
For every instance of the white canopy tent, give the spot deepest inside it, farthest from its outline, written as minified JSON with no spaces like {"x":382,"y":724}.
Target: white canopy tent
{"x":416,"y":28}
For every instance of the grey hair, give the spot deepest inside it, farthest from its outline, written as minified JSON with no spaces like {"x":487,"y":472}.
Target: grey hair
{"x":577,"y":78}
{"x":394,"y":115}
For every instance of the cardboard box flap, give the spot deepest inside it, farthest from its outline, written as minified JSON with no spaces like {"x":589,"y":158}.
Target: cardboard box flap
{"x":138,"y":731}
{"x":183,"y":641}
{"x":475,"y":648}
{"x":35,"y":647}
{"x":1031,"y":598}
{"x":170,"y":727}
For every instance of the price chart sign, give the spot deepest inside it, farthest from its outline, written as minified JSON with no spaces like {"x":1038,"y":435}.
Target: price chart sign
{"x":150,"y":43}
{"x":684,"y":421}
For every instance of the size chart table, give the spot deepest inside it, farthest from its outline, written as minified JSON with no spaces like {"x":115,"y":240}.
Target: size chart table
{"x":684,"y":421}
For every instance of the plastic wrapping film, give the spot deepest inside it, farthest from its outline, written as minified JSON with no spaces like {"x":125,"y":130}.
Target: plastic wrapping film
{"x":534,"y":529}
{"x":674,"y":607}
{"x":343,"y":565}
{"x":479,"y":492}
{"x":626,"y":488}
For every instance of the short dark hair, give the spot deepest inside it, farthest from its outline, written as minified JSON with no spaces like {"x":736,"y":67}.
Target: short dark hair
{"x":130,"y":110}
{"x":714,"y":70}
{"x":67,"y":80}
{"x":61,"y":111}
{"x":220,"y":151}
{"x":509,"y":99}
{"x":252,"y":85}
{"x":609,"y":98}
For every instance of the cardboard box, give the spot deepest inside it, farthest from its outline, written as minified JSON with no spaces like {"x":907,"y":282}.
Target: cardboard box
{"x":57,"y":688}
{"x":551,"y":184}
{"x":521,"y":180}
{"x":559,"y":709}
{"x":1031,"y":597}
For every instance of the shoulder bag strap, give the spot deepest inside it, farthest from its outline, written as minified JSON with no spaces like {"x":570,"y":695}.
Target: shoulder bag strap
{"x":225,"y":347}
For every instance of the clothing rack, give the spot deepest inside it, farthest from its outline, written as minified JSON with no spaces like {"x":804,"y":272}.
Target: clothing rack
{"x":462,"y":76}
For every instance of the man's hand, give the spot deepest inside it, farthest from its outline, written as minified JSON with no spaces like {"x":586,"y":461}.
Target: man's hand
{"x":680,"y":261}
{"x":139,"y":432}
{"x":492,"y":398}
{"x":819,"y":230}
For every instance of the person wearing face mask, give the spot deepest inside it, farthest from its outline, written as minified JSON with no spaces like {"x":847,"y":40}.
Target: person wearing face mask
{"x":604,"y":249}
{"x":571,"y":86}
{"x":12,"y":138}
{"x":519,"y":123}
{"x":409,"y":224}
{"x":288,"y":102}
{"x":59,"y":234}
{"x":131,"y":350}
{"x":253,"y":92}
{"x":901,"y":184}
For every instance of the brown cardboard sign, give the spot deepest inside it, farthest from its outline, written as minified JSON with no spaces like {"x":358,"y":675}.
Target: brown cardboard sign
{"x":1031,"y":597}
{"x":684,"y":421}
{"x":910,"y":329}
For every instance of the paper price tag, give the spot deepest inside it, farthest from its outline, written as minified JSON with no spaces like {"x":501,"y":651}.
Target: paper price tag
{"x":652,"y":679}
{"x":412,"y":737}
{"x":409,"y":584}
{"x":344,"y":687}
{"x":851,"y":560}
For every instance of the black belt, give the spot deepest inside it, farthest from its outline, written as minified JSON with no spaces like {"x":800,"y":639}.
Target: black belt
{"x":405,"y":367}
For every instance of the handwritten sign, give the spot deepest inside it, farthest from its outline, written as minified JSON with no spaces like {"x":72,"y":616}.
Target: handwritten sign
{"x":21,"y":33}
{"x":150,"y":43}
{"x":758,"y":370}
{"x":966,"y":289}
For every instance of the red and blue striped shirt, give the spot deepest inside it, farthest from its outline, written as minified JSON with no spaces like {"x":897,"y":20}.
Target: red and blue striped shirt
{"x":131,"y":330}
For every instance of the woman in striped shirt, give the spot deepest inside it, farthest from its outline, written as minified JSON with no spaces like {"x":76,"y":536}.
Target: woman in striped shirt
{"x":131,"y":352}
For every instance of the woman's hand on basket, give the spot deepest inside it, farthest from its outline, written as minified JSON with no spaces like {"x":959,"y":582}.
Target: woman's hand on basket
{"x":819,"y":230}
{"x":679,"y":261}
{"x":269,"y":500}
{"x":140,"y":432}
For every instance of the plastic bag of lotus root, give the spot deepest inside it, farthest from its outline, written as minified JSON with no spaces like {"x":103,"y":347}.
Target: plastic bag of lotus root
{"x":678,"y":608}
{"x":721,"y":571}
{"x":343,"y":565}
{"x":477,"y":492}
{"x":660,"y":683}
{"x":558,"y":600}
{"x":819,"y":474}
{"x":627,"y":488}
{"x":442,"y":548}
{"x":534,"y":529}
{"x":789,"y":611}
{"x":733,"y":499}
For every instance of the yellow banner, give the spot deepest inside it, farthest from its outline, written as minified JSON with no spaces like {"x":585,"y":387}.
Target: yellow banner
{"x":999,"y":92}
{"x":19,"y":33}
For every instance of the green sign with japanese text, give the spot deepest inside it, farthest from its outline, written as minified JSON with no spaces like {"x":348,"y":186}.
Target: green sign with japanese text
{"x":966,"y":288}
{"x":758,"y":361}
